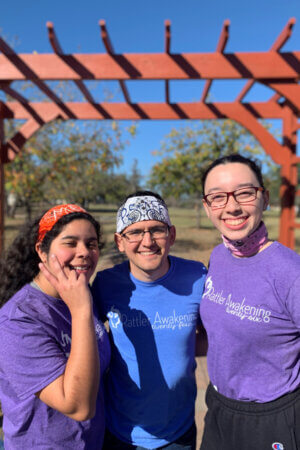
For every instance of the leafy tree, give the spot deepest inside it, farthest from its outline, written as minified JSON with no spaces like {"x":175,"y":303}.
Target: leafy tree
{"x":116,"y":186}
{"x":25,"y":179}
{"x":135,"y":177}
{"x":66,"y":160}
{"x":188,"y":151}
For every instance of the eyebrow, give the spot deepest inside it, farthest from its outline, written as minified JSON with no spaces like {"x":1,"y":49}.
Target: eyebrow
{"x":92,"y":238}
{"x":239,"y":186}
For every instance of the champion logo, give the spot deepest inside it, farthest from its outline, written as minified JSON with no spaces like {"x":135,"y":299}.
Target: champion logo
{"x":277,"y":446}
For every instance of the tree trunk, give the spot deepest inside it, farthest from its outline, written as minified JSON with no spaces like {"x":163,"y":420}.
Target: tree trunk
{"x":198,"y":213}
{"x":28,"y":209}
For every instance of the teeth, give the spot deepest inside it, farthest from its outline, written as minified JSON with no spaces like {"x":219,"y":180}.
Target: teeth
{"x":147,"y":253}
{"x":235,"y":221}
{"x":80,"y":267}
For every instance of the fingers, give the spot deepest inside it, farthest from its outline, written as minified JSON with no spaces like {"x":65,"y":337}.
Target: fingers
{"x":61,"y":279}
{"x":47,"y":274}
{"x":59,"y":273}
{"x":57,"y":268}
{"x":57,"y":276}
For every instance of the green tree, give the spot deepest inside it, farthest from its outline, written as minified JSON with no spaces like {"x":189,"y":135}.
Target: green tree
{"x":188,"y":151}
{"x":66,"y":160}
{"x":135,"y":177}
{"x":115,"y":188}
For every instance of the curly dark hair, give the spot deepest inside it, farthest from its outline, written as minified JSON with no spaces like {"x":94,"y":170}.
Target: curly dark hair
{"x":19,"y":264}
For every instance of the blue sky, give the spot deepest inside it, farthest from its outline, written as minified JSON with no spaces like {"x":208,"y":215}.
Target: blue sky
{"x":138,"y":27}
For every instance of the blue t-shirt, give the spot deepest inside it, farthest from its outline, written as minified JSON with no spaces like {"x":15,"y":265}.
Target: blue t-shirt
{"x":35,"y":336}
{"x":151,"y":385}
{"x":251,"y":312}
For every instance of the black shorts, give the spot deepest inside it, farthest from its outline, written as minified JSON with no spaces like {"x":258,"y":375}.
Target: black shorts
{"x":235,"y":425}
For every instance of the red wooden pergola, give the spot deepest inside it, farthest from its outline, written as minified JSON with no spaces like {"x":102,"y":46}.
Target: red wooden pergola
{"x":274,"y":69}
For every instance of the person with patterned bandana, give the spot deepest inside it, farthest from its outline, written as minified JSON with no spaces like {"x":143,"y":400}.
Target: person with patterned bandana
{"x":151,"y":303}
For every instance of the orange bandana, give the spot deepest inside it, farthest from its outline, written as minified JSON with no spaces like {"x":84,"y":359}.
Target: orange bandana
{"x":50,"y":218}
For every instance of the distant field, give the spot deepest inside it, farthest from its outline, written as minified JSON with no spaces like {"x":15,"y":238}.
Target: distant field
{"x":191,"y":242}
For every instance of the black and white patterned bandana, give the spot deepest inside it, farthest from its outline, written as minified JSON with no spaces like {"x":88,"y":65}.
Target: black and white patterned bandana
{"x":138,"y":209}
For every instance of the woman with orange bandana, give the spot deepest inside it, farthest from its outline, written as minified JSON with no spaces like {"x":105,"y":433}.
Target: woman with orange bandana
{"x":54,"y":350}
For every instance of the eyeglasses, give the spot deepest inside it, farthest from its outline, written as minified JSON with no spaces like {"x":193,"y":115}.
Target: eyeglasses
{"x":243,"y":195}
{"x":138,"y":235}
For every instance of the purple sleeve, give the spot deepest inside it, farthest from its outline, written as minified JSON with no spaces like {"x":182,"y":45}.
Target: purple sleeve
{"x":30,"y":357}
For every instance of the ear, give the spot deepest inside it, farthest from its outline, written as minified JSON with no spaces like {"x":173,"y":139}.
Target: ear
{"x":172,"y":234}
{"x":206,"y":208}
{"x":266,"y":197}
{"x":42,"y":255}
{"x":119,"y":242}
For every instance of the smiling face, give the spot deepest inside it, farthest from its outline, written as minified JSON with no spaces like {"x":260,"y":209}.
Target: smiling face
{"x":235,"y":221}
{"x":148,"y":258}
{"x":76,"y":248}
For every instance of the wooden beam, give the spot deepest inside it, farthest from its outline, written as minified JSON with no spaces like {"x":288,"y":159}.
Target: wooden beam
{"x":278,"y":44}
{"x":59,"y":51}
{"x":155,"y":111}
{"x":110,"y":50}
{"x":223,"y":39}
{"x":290,"y":91}
{"x":167,"y":51}
{"x":27,"y":71}
{"x":284,"y":35}
{"x":246,"y":115}
{"x":21,"y":99}
{"x":155,"y":66}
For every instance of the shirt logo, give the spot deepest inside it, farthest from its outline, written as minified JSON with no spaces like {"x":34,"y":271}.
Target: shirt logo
{"x":136,"y":318}
{"x":114,"y":317}
{"x":277,"y":446}
{"x":236,"y":307}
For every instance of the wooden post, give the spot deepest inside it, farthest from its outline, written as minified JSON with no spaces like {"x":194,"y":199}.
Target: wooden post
{"x":289,"y":180}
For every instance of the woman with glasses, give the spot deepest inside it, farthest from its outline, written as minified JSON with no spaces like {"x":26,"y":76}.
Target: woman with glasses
{"x":251,"y":312}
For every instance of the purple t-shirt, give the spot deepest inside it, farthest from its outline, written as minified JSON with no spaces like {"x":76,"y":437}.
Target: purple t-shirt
{"x":35,"y":336}
{"x":251,"y":312}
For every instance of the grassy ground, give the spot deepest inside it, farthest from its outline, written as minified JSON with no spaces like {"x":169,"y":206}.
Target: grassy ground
{"x":191,"y":242}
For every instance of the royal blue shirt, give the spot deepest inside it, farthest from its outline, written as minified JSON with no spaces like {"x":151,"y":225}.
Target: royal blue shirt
{"x":151,"y":385}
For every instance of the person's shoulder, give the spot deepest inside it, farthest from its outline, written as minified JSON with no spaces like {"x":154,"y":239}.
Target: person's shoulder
{"x":24,"y":303}
{"x":284,"y":257}
{"x":283,"y":268}
{"x":219,"y":252}
{"x":188,"y":264}
{"x":220,"y":248}
{"x":286,"y":252}
{"x":111,"y":272}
